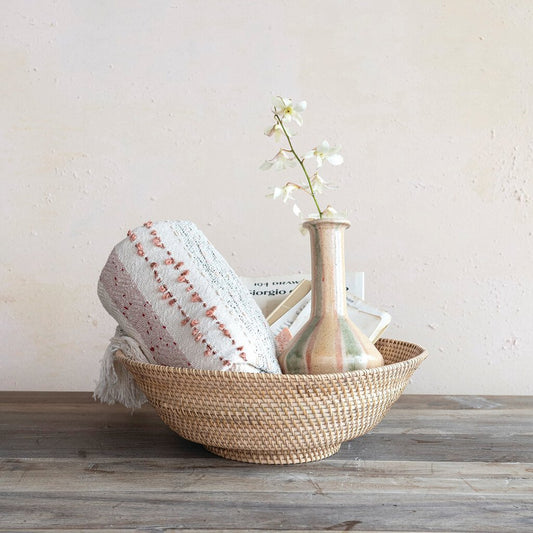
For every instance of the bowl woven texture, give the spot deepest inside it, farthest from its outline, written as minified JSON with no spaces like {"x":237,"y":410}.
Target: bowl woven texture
{"x":276,"y":418}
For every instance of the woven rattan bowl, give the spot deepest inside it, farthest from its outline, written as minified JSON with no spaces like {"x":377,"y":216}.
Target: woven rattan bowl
{"x":275,"y":418}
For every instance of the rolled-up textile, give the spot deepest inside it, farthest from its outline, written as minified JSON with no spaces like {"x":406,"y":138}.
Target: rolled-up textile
{"x":171,"y":291}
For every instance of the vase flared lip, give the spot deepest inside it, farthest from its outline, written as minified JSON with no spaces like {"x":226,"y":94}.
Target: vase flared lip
{"x":334,"y":221}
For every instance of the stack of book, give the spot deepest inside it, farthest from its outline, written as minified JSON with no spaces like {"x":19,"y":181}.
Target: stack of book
{"x":286,"y":303}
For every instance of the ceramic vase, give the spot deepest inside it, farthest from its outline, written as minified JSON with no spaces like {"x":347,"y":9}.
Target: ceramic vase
{"x":329,"y":342}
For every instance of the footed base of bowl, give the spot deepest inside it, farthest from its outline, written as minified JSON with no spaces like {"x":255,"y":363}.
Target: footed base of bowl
{"x":269,"y":457}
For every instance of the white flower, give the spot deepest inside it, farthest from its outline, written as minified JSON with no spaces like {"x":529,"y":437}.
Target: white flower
{"x":329,"y":212}
{"x":325,"y":152}
{"x":284,"y":192}
{"x":276,"y":131}
{"x":279,"y":162}
{"x":276,"y":193}
{"x":287,"y":111}
{"x":319,"y":184}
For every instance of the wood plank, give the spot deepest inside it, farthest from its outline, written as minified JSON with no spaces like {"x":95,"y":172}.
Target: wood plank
{"x":119,"y":442}
{"x":508,"y":423}
{"x":48,"y":397}
{"x":160,"y":475}
{"x":348,"y":526}
{"x":270,"y":511}
{"x":94,"y":430}
{"x":458,"y":402}
{"x":430,"y":447}
{"x":406,"y":401}
{"x":22,"y":416}
{"x":88,"y":430}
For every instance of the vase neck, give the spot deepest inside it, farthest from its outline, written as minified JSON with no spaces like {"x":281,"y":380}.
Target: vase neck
{"x":327,"y":266}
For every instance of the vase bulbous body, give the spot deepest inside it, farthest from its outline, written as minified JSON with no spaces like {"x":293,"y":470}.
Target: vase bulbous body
{"x":329,"y":342}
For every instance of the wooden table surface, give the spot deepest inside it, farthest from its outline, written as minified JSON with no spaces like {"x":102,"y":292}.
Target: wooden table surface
{"x":435,"y":463}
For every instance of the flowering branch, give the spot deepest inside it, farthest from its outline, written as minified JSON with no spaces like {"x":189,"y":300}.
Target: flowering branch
{"x":285,"y":111}
{"x":301,"y":161}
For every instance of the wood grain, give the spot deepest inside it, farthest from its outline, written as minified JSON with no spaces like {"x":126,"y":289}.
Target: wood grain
{"x":434,"y":464}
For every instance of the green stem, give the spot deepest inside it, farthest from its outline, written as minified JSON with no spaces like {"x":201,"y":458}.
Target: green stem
{"x":301,"y":161}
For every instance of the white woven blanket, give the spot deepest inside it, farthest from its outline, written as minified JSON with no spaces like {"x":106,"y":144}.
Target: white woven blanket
{"x":174,"y":295}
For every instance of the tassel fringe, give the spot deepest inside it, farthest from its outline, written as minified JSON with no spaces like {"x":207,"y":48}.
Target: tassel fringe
{"x":116,"y":384}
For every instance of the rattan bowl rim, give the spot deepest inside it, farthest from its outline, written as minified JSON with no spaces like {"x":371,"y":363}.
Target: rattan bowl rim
{"x":289,"y":378}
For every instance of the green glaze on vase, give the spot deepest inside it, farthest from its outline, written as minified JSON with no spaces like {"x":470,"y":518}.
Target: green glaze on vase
{"x":329,"y":342}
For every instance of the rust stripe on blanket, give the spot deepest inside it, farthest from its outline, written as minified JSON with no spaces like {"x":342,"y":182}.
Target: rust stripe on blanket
{"x":132,"y":304}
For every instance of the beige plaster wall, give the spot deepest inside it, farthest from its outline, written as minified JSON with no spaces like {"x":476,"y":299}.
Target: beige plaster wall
{"x":115,"y":112}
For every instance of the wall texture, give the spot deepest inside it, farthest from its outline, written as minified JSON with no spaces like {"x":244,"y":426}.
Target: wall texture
{"x":115,"y":112}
